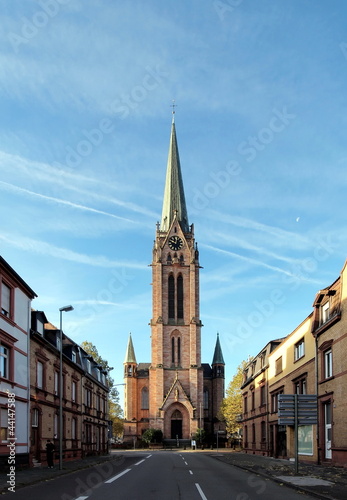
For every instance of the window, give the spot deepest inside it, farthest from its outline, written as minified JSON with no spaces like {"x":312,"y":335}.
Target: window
{"x":171,"y":297}
{"x":300,"y":386}
{"x":253,"y":433}
{"x":5,"y":300}
{"x":57,"y":342}
{"x":73,"y":428}
{"x":245,"y":405}
{"x":56,"y":383}
{"x":263,"y":431}
{"x":73,"y":391}
{"x":3,"y":425}
{"x":325,"y":312}
{"x":328,"y":363}
{"x":299,"y":349}
{"x":180,"y":297}
{"x":278,"y":367}
{"x":253,"y":400}
{"x":56,"y":424}
{"x":73,"y":356}
{"x":173,"y":350}
{"x":39,"y":375}
{"x":35,"y":418}
{"x":89,"y":367}
{"x":4,"y":361}
{"x":145,"y":399}
{"x":39,"y":326}
{"x":205,"y":398}
{"x":178,"y":351}
{"x":274,"y":401}
{"x":88,"y":398}
{"x":262,"y":395}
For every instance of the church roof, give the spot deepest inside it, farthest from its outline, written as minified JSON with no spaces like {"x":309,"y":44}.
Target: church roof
{"x":130,"y":352}
{"x":174,"y":199}
{"x":218,"y":355}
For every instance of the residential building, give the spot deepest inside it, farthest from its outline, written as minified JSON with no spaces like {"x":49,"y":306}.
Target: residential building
{"x":15,"y":304}
{"x":175,"y":392}
{"x":84,"y":395}
{"x":312,"y":361}
{"x":329,"y":329}
{"x":255,"y":393}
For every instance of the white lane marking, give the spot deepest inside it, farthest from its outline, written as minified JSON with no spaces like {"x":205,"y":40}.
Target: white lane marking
{"x":185,"y":462}
{"x":140,"y":462}
{"x":116,"y":477}
{"x":81,"y":498}
{"x":191,"y":472}
{"x":200,"y":491}
{"x":148,"y":456}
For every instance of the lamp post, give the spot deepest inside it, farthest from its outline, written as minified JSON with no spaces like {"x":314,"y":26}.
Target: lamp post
{"x":61,"y":310}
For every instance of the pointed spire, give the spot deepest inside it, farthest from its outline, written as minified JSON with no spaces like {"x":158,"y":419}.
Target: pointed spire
{"x":218,"y":355}
{"x":130,"y":352}
{"x":174,"y":199}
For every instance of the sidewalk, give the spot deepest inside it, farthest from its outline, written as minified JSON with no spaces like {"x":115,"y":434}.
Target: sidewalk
{"x":34,"y":475}
{"x":322,"y":481}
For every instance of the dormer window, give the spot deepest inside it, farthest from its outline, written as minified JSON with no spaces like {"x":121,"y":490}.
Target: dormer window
{"x":325,"y":312}
{"x":89,"y":366}
{"x":73,"y":356}
{"x":39,"y":327}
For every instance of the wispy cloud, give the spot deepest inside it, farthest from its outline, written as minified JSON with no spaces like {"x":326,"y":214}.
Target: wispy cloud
{"x":255,"y":262}
{"x":44,"y":248}
{"x":11,"y":187}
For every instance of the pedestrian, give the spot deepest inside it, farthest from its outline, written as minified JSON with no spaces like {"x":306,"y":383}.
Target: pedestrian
{"x":49,"y":452}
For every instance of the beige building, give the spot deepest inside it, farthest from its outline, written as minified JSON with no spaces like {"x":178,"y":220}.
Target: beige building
{"x":311,"y":360}
{"x":175,"y":392}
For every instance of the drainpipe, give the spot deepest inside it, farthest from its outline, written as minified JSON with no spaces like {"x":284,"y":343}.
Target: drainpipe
{"x":316,"y":383}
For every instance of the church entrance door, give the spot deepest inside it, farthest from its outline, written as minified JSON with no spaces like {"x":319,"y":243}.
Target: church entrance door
{"x":176,"y":425}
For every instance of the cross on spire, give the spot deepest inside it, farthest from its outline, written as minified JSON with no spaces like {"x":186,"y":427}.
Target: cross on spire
{"x":173,"y":106}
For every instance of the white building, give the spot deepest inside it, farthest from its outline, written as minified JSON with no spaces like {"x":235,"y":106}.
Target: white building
{"x":15,"y":314}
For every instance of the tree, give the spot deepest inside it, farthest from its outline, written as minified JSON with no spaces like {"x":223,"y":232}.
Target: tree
{"x":152,"y":436}
{"x":114,"y":408}
{"x":231,"y":407}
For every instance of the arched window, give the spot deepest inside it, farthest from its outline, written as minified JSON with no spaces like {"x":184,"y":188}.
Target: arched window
{"x":205,"y":398}
{"x":173,"y":350}
{"x":180,"y":297}
{"x":171,"y":290}
{"x":179,"y":351}
{"x":144,"y":399}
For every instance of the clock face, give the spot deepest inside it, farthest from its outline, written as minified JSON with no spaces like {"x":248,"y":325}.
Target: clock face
{"x":175,"y":243}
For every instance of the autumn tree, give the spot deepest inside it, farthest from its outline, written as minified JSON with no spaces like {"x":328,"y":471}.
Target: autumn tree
{"x":114,"y":408}
{"x":231,"y":407}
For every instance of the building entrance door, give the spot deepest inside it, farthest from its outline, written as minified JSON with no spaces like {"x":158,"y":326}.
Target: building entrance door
{"x":327,"y":429}
{"x":176,"y":425}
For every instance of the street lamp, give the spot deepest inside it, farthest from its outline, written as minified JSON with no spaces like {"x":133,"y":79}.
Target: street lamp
{"x":61,"y":310}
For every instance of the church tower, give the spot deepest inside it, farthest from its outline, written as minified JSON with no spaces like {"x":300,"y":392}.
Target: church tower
{"x":175,"y":392}
{"x":176,"y":373}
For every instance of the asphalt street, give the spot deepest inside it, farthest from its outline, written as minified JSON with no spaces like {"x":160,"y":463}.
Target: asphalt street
{"x":160,"y":476}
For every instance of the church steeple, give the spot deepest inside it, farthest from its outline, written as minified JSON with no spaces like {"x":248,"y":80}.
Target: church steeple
{"x":218,"y":355}
{"x":174,"y":199}
{"x":130,"y":352}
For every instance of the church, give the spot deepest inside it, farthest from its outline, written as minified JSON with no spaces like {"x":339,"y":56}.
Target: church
{"x":175,"y":392}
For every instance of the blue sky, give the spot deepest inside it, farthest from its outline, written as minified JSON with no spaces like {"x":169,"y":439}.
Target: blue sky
{"x":85,"y":94}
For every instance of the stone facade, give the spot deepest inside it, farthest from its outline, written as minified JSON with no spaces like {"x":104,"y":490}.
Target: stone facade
{"x":84,"y":398}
